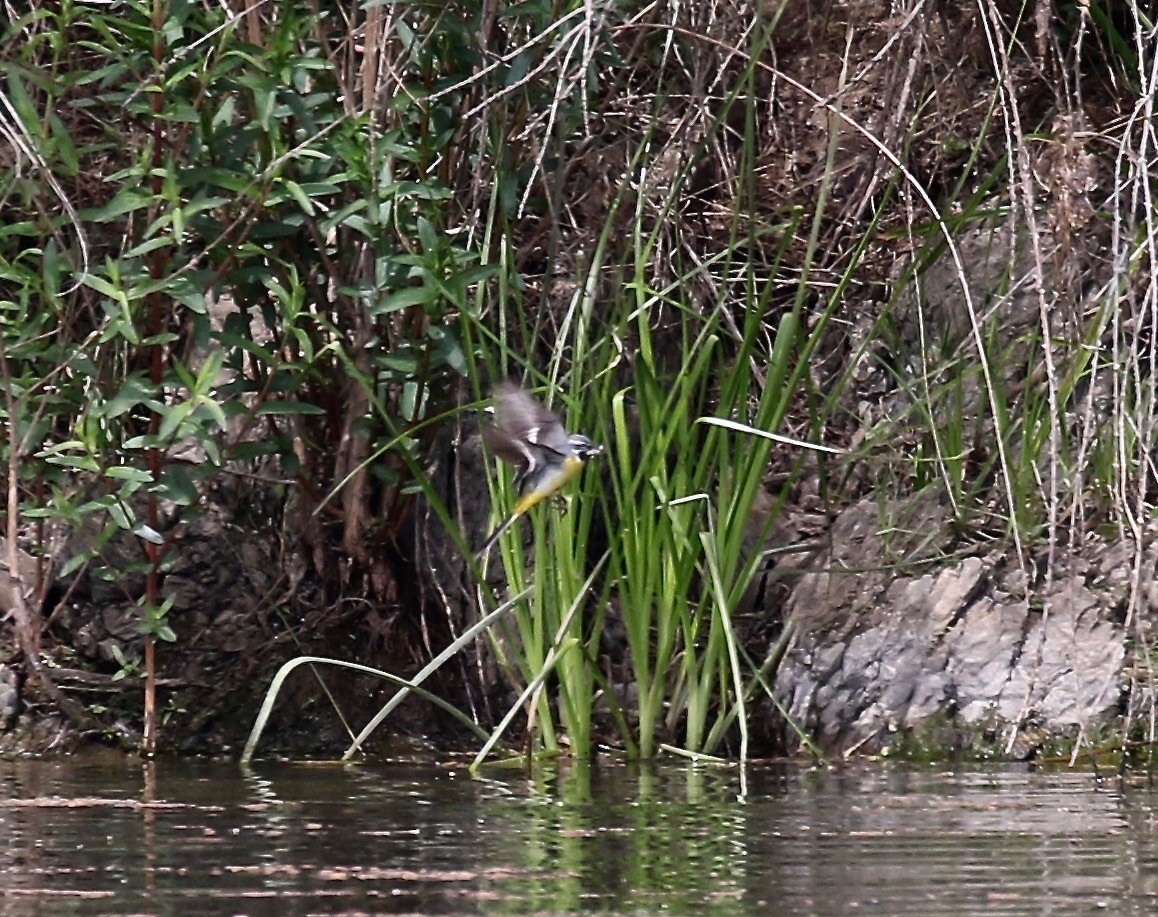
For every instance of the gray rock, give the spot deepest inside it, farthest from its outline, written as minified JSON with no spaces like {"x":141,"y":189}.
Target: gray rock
{"x":8,"y":584}
{"x":878,"y":652}
{"x":9,"y":696}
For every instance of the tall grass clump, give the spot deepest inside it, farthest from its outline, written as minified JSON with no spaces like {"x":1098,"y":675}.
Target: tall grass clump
{"x":678,"y":505}
{"x":679,"y":390}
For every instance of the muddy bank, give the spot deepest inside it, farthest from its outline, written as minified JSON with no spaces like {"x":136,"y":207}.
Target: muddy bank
{"x":242,"y":606}
{"x":907,"y":639}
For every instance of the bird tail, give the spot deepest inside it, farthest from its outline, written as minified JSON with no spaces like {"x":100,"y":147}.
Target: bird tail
{"x":494,"y":536}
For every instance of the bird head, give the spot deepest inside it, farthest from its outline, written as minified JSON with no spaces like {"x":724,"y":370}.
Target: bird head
{"x":583,"y":447}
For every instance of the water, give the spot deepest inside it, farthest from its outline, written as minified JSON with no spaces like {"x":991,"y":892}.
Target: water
{"x":115,"y":837}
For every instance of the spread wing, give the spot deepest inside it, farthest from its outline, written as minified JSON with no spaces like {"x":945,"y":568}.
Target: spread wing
{"x":522,"y":427}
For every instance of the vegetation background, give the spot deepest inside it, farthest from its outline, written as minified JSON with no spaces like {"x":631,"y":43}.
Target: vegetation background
{"x":261,"y":262}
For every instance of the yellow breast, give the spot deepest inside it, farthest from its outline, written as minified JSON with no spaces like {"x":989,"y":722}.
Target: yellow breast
{"x":551,"y":481}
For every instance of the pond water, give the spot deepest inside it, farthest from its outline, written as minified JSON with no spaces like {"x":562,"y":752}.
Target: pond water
{"x":120,"y":837}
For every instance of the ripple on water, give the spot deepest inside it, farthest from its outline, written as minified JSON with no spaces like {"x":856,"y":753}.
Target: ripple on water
{"x":114,"y":837}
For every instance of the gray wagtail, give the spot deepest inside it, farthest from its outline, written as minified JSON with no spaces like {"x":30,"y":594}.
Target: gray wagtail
{"x":532,"y":439}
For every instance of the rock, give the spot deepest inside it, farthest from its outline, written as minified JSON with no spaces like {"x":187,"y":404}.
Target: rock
{"x":28,"y":573}
{"x":9,"y":696}
{"x":877,"y":654}
{"x":120,"y":622}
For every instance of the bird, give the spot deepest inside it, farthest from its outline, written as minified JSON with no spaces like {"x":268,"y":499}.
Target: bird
{"x":532,"y":439}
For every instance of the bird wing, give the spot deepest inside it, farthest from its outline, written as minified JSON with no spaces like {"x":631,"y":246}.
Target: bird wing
{"x":509,"y":448}
{"x":521,"y":426}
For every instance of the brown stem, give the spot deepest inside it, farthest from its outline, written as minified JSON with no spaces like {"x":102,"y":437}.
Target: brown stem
{"x":153,"y":456}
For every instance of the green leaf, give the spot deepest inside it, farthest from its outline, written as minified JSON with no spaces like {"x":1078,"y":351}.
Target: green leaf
{"x":476,"y":274}
{"x":304,"y":343}
{"x":61,"y":447}
{"x":405,"y":33}
{"x":100,"y":504}
{"x":147,"y":533}
{"x":172,"y":418}
{"x":201,"y":204}
{"x":188,"y":291}
{"x":338,"y":217}
{"x":126,"y":201}
{"x":448,"y":351}
{"x":263,"y":101}
{"x":83,"y":462}
{"x":21,"y":228}
{"x":359,"y":223}
{"x":151,"y":245}
{"x":167,"y":337}
{"x":65,"y":148}
{"x":22,"y":102}
{"x":128,"y":473}
{"x":215,"y":177}
{"x":182,"y":372}
{"x":103,"y":287}
{"x":300,"y":196}
{"x":403,"y":363}
{"x":427,"y":235}
{"x":424,"y":191}
{"x":135,"y":390}
{"x":404,"y":299}
{"x":176,"y":485}
{"x":75,"y":563}
{"x":289,"y":407}
{"x":144,"y":441}
{"x":120,"y":515}
{"x":214,"y":410}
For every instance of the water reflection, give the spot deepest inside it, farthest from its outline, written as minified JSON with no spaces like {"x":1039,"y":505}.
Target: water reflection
{"x":108,"y":837}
